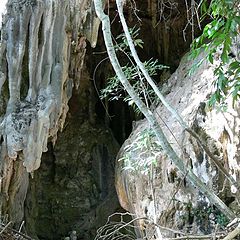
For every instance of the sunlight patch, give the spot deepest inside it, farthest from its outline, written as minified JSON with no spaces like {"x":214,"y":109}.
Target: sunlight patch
{"x":2,"y":10}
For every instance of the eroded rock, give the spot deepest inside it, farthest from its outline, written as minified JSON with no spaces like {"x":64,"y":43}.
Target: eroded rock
{"x":37,"y":73}
{"x":158,"y":191}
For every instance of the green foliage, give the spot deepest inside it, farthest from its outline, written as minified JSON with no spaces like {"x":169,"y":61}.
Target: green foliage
{"x":114,"y":89}
{"x":204,"y":213}
{"x":122,"y":43}
{"x":140,"y":154}
{"x":218,"y":36}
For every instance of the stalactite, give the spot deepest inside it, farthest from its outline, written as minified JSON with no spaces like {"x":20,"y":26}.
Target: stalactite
{"x":45,"y":32}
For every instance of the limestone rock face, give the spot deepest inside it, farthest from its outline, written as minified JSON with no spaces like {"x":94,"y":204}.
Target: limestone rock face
{"x":42,"y":48}
{"x":147,"y":182}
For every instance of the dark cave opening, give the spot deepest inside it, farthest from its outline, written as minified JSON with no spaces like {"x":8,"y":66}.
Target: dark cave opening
{"x":167,"y":41}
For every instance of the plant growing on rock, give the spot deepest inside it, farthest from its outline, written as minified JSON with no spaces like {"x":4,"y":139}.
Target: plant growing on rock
{"x":217,"y":39}
{"x":149,"y":147}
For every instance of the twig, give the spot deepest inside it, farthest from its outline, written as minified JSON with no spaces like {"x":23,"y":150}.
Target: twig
{"x":20,"y":228}
{"x":5,"y":227}
{"x":197,"y":237}
{"x":112,"y":229}
{"x":19,"y":233}
{"x":233,"y":222}
{"x":123,"y":226}
{"x":169,"y":229}
{"x":233,"y":233}
{"x":95,"y":86}
{"x":215,"y":232}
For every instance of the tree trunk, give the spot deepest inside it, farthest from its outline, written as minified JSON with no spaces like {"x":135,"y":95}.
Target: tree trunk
{"x":150,"y":116}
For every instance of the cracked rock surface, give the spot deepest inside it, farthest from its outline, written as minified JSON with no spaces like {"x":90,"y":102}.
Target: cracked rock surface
{"x":155,"y":189}
{"x":42,"y":48}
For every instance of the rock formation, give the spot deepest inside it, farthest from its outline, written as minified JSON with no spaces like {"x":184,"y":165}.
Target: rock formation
{"x":147,"y":182}
{"x":57,"y":155}
{"x":42,"y":49}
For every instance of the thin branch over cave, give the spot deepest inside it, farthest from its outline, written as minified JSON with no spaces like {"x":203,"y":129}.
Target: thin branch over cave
{"x":126,"y":225}
{"x":150,"y":116}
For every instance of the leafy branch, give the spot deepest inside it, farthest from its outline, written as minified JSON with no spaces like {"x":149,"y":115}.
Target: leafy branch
{"x":114,"y":89}
{"x":149,"y":148}
{"x":219,"y":37}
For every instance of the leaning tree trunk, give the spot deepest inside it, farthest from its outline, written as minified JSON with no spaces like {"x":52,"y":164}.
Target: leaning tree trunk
{"x":42,"y":48}
{"x":150,"y":116}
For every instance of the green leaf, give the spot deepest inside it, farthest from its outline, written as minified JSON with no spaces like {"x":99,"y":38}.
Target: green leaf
{"x":234,"y":65}
{"x":237,"y":19}
{"x":237,"y":73}
{"x":210,"y":58}
{"x":224,"y":56}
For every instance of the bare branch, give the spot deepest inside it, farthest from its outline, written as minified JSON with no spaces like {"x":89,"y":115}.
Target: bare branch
{"x":167,"y":148}
{"x":233,"y":233}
